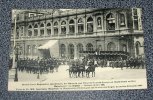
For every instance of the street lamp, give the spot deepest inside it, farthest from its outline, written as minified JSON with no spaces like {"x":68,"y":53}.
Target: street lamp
{"x":16,"y":60}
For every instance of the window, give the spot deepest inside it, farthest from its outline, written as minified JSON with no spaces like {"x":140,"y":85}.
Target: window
{"x":35,"y":32}
{"x":71,"y":27}
{"x":63,"y":27}
{"x":42,"y":25}
{"x":99,"y":25}
{"x":49,"y":29}
{"x":34,"y":52}
{"x":36,"y":26}
{"x":28,"y":49}
{"x":63,"y":50}
{"x":90,"y":24}
{"x":71,"y":51}
{"x":135,"y":18}
{"x":31,"y":15}
{"x":42,"y":32}
{"x":135,"y":12}
{"x":111,"y":46}
{"x":55,"y":28}
{"x":17,"y":32}
{"x":48,"y":25}
{"x":80,"y":50}
{"x":29,"y":33}
{"x":49,"y":32}
{"x":122,"y":20}
{"x":30,"y":30}
{"x":110,"y":22}
{"x":80,"y":26}
{"x":89,"y":47}
{"x":30,"y":27}
{"x":99,"y":48}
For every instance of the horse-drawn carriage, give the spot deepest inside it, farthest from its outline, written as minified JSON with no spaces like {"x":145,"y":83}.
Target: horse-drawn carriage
{"x":77,"y":69}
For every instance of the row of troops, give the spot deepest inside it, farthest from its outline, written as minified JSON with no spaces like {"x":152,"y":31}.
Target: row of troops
{"x":117,"y":63}
{"x":38,"y":65}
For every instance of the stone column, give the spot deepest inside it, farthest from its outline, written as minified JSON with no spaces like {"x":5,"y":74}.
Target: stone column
{"x":126,"y":20}
{"x":76,"y":27}
{"x":59,"y":27}
{"x":38,"y":30}
{"x":32,"y":31}
{"x":52,"y":28}
{"x":75,"y":51}
{"x":67,"y":27}
{"x":94,"y":24}
{"x":45,"y":30}
{"x":85,"y":24}
{"x":116,"y":21}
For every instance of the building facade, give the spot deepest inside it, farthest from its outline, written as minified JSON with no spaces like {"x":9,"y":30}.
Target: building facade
{"x":79,"y":32}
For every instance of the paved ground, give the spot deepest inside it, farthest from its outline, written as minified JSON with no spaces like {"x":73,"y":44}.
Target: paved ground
{"x":106,"y":73}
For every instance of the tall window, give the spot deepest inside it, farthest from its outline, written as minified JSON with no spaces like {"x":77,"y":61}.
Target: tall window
{"x":28,"y":49}
{"x":122,"y":20}
{"x":99,"y":48}
{"x":34,"y":50}
{"x":36,"y":30}
{"x":49,"y":29}
{"x":89,"y":47}
{"x":30,"y":30}
{"x":99,"y":25}
{"x":71,"y":27}
{"x":90,"y":24}
{"x":63,"y":50}
{"x":42,"y":32}
{"x":63,"y":28}
{"x":42,"y":29}
{"x":110,"y":19}
{"x":17,"y":32}
{"x":80,"y":50}
{"x":56,"y":28}
{"x":135,"y":18}
{"x":71,"y":51}
{"x":111,"y":46}
{"x":80,"y":26}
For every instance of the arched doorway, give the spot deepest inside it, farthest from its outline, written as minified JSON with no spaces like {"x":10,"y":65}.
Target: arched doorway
{"x":89,"y":47}
{"x":71,"y":51}
{"x":111,"y":46}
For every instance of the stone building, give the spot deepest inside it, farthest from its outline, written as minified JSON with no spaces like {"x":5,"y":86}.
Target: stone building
{"x":74,"y":33}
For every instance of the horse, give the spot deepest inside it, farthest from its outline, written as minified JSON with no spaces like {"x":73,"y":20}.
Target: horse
{"x":91,"y":69}
{"x":81,"y":70}
{"x":73,"y":70}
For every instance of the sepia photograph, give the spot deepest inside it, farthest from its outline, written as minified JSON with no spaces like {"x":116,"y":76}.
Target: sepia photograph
{"x":77,"y":49}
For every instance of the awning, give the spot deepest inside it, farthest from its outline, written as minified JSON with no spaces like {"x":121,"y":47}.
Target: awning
{"x":49,"y":44}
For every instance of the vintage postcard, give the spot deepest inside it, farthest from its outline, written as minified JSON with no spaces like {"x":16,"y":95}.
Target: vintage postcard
{"x":77,"y":49}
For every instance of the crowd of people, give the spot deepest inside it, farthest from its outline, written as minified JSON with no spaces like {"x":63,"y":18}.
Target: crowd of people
{"x":52,"y":64}
{"x":38,"y":65}
{"x":131,"y":62}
